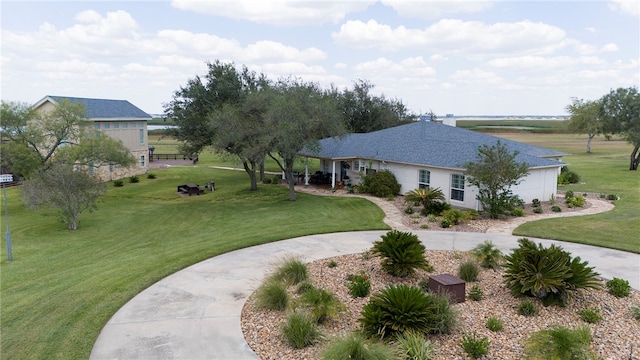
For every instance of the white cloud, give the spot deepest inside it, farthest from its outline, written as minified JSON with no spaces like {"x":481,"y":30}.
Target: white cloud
{"x":276,"y":12}
{"x":610,"y":47}
{"x":434,"y":8}
{"x":274,"y":50}
{"x":455,"y":36}
{"x":629,"y":7}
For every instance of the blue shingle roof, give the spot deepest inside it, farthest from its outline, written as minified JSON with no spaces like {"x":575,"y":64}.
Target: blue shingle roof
{"x":106,"y":109}
{"x":427,"y":143}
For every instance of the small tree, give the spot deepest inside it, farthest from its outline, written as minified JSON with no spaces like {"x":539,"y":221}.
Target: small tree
{"x":65,"y":189}
{"x":494,"y":172}
{"x":585,"y":118}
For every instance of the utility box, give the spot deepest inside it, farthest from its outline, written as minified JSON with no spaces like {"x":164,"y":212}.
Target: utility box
{"x":448,"y":283}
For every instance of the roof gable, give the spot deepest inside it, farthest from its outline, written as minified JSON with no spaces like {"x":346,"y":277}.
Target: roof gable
{"x":102,"y":109}
{"x":427,"y":143}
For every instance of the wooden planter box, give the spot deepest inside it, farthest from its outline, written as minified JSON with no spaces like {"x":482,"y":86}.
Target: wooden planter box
{"x":448,"y":283}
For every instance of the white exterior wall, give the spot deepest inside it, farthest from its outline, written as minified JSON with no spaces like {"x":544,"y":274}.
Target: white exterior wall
{"x":539,"y":184}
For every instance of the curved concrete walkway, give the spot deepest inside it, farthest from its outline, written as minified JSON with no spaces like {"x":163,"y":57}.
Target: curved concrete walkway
{"x":196,"y":312}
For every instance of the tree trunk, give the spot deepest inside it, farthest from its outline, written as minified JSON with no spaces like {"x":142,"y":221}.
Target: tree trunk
{"x":591,"y":136}
{"x":73,"y":222}
{"x":251,"y":171}
{"x":288,"y":173}
{"x":262,"y":170}
{"x":634,"y":158}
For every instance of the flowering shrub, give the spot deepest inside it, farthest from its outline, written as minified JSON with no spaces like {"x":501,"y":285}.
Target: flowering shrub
{"x":359,"y":285}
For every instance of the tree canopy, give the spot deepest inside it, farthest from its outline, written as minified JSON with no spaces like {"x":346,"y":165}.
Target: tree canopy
{"x":620,"y":112}
{"x":494,"y":172}
{"x":585,"y":118}
{"x":236,"y":111}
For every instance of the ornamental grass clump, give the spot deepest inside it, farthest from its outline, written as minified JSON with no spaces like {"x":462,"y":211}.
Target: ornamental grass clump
{"x":321,"y":304}
{"x":549,"y":274}
{"x":468,"y":271}
{"x":488,"y":255}
{"x":300,"y":331}
{"x":494,"y":324}
{"x":591,"y":315}
{"x":559,"y":342}
{"x":272,"y":295}
{"x":415,"y":346}
{"x":402,"y":253}
{"x":355,"y":346}
{"x":291,"y":272}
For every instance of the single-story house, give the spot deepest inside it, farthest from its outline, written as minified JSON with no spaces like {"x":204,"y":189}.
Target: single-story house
{"x":429,"y":153}
{"x":117,"y":118}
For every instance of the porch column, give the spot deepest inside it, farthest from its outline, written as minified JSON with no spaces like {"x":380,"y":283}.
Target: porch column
{"x":306,"y":172}
{"x":333,"y":174}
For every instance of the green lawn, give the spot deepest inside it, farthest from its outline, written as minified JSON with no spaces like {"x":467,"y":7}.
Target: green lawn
{"x":63,"y":285}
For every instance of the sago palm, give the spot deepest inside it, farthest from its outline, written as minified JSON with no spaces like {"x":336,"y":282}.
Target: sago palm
{"x":425,"y":197}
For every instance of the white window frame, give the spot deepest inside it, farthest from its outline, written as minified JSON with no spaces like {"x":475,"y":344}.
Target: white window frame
{"x":107,"y":126}
{"x":141,"y":135}
{"x":142,"y":161}
{"x":457,"y":188}
{"x":424,"y":184}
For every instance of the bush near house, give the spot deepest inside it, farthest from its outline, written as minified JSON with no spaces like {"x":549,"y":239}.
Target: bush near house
{"x":381,"y":184}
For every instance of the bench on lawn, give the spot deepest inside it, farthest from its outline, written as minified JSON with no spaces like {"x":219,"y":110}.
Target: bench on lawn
{"x":190,"y":189}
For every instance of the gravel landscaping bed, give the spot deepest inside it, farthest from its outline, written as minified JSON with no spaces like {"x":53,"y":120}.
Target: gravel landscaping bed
{"x":612,"y":337}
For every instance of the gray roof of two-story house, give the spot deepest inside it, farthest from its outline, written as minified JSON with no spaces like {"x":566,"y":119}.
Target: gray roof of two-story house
{"x":103,"y":109}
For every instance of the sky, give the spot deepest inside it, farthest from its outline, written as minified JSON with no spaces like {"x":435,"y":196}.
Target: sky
{"x":449,"y":57}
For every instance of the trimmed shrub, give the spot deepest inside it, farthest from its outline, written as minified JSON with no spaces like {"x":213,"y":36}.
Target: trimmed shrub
{"x":527,"y":308}
{"x":359,"y":285}
{"x":549,"y":274}
{"x":401,"y":308}
{"x":266,"y":181}
{"x":272,"y":295}
{"x":445,"y":224}
{"x":535,"y":202}
{"x":134,"y":179}
{"x":468,"y":271}
{"x":538,"y":210}
{"x":488,"y":255}
{"x":118,"y":183}
{"x":476,"y":293}
{"x":299,"y":331}
{"x":556,"y":208}
{"x":355,"y":346}
{"x":402,"y":253}
{"x":415,"y":346}
{"x":322,"y":304}
{"x":151,"y":176}
{"x":612,"y":197}
{"x":381,"y":184}
{"x":474,"y":346}
{"x":291,"y":271}
{"x":592,"y":315}
{"x":519,"y":212}
{"x":559,"y":342}
{"x":618,"y":287}
{"x":494,"y":324}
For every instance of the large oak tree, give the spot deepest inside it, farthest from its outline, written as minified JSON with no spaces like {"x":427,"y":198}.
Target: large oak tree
{"x":621,"y":115}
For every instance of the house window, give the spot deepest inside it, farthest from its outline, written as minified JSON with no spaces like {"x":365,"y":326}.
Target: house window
{"x":107,"y":126}
{"x":141,"y":132}
{"x":92,"y":170}
{"x":457,"y":187}
{"x":362,"y":166}
{"x":424,"y":179}
{"x":116,"y":125}
{"x":133,"y":125}
{"x":125,"y":125}
{"x":142,"y":161}
{"x":97,"y":126}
